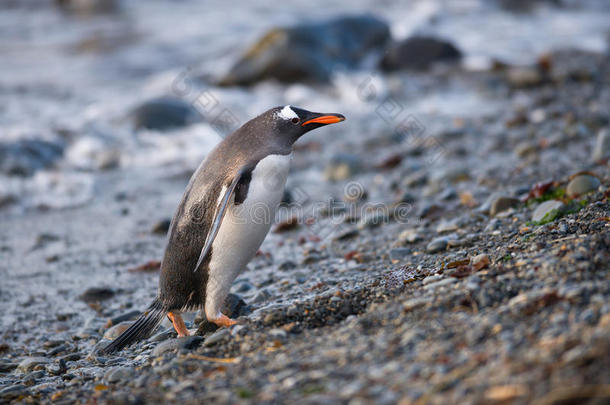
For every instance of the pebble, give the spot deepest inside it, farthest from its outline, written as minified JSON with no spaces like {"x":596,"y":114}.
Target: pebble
{"x":163,"y":113}
{"x":344,"y":234}
{"x":116,"y":330}
{"x":372,"y":219}
{"x":437,"y":244}
{"x":262,"y":296}
{"x":419,"y":53}
{"x":118,"y":374}
{"x":480,"y":261}
{"x":521,"y":77}
{"x":545,"y":208}
{"x":581,"y":185}
{"x":525,"y":148}
{"x":447,"y":226}
{"x":125,"y":317}
{"x":29,"y":363}
{"x":501,"y":204}
{"x":187,"y":342}
{"x":410,"y":236}
{"x":601,"y":150}
{"x":13,"y":391}
{"x":6,"y":366}
{"x":161,"y":227}
{"x":96,"y":294}
{"x":432,"y":279}
{"x":399,"y":253}
{"x":217,"y":336}
{"x":163,"y":335}
{"x":440,"y":283}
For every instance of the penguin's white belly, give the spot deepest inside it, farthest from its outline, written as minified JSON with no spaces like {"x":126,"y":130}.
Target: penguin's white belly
{"x":244,"y":228}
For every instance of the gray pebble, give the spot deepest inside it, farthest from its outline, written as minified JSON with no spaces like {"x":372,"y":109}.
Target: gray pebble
{"x":399,"y":253}
{"x":29,"y":363}
{"x":601,"y":150}
{"x":13,"y":391}
{"x":581,"y":185}
{"x":545,"y":208}
{"x":118,"y":374}
{"x":501,"y":204}
{"x":437,"y":244}
{"x":217,"y":336}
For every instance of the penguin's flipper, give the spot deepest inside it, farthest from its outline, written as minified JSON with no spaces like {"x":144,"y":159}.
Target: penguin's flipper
{"x":219,"y":213}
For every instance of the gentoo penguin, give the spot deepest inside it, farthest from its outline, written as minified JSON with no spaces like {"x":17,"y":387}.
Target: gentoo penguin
{"x":223,"y":217}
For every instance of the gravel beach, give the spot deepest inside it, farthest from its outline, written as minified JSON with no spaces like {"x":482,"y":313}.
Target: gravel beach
{"x":421,"y":258}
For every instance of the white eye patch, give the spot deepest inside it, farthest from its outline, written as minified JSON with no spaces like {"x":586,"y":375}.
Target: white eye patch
{"x":287,"y":113}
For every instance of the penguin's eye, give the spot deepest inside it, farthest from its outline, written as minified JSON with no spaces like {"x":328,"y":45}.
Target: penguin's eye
{"x":295,"y":120}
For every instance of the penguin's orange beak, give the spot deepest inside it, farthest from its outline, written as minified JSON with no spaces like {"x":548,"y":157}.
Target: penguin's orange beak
{"x":325,"y":119}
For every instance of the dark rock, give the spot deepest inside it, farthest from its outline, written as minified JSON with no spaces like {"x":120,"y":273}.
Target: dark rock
{"x":161,"y":227}
{"x":309,"y":51}
{"x":163,"y":113}
{"x":26,"y":156}
{"x":96,"y":294}
{"x":419,"y":53}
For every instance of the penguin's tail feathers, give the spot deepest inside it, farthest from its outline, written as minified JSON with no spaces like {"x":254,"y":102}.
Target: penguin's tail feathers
{"x":141,"y":329}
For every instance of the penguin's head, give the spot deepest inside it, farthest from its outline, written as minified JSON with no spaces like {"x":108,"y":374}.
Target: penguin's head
{"x":291,"y":122}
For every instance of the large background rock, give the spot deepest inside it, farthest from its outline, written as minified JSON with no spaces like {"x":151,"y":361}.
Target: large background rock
{"x":309,"y":51}
{"x":25,"y":156}
{"x":418,"y":53}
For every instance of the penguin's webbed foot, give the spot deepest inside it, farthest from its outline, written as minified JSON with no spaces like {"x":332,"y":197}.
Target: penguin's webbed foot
{"x":223,"y":320}
{"x":178,"y":323}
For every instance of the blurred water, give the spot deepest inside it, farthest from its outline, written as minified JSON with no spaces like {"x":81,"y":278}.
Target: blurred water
{"x":75,"y":75}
